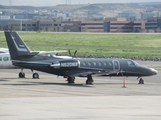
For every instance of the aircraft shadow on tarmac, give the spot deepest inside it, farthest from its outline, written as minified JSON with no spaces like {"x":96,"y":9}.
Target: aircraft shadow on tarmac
{"x":26,"y":83}
{"x":29,"y":83}
{"x":3,"y":80}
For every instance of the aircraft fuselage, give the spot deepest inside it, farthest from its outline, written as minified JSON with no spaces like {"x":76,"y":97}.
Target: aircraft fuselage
{"x":83,"y":67}
{"x":5,"y":62}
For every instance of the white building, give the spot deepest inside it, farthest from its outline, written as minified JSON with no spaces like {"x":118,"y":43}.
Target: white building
{"x":5,"y":17}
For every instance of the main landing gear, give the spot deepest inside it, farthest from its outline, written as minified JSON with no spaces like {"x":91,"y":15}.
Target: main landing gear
{"x":89,"y":80}
{"x":21,"y":74}
{"x":141,"y":81}
{"x":34,"y":75}
{"x":70,"y":79}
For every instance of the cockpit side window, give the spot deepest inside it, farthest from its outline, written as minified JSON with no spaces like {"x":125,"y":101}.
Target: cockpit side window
{"x":130,"y":63}
{"x":0,"y":58}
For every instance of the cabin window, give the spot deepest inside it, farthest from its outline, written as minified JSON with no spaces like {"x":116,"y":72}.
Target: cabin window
{"x":5,"y":58}
{"x":104,"y":64}
{"x":89,"y":63}
{"x":84,"y":64}
{"x":99,"y":64}
{"x":110,"y":64}
{"x":94,"y":64}
{"x":0,"y":58}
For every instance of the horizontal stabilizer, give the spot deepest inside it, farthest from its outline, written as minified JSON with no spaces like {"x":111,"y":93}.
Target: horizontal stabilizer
{"x":29,"y":55}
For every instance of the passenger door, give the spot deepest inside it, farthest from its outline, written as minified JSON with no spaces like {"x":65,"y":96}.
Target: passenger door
{"x":116,"y":65}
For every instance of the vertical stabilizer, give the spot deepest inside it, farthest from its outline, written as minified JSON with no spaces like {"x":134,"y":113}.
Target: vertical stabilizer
{"x":16,"y":46}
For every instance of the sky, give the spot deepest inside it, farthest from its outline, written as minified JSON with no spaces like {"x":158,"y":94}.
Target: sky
{"x":56,"y":2}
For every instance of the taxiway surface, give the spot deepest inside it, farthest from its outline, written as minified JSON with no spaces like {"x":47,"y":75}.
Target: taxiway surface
{"x":51,"y":98}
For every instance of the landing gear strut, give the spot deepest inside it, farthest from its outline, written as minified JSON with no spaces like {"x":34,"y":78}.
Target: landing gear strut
{"x":70,"y":79}
{"x":89,"y":80}
{"x":141,"y":81}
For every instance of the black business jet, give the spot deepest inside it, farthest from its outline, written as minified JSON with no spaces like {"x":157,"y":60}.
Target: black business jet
{"x":70,"y":67}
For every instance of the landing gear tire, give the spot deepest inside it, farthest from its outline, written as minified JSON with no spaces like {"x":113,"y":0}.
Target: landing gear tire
{"x":141,"y":81}
{"x":21,"y":75}
{"x":89,"y":80}
{"x":35,"y":76}
{"x":71,"y":79}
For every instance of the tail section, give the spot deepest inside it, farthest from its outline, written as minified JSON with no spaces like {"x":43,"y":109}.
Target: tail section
{"x":17,"y":47}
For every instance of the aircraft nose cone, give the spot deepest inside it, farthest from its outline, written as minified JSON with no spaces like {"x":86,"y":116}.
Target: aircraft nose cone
{"x":154,"y":71}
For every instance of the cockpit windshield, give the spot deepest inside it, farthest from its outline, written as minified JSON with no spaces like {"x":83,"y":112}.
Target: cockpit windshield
{"x":136,"y":64}
{"x":132,"y":63}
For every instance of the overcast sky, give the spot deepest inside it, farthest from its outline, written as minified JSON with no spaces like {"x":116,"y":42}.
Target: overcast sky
{"x":55,"y":2}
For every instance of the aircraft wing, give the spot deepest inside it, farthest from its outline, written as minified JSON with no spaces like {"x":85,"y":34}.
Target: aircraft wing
{"x":86,"y":72}
{"x":4,"y":50}
{"x":50,"y":52}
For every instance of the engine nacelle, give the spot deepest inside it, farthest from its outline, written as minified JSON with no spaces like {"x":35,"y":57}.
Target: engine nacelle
{"x":66,"y":64}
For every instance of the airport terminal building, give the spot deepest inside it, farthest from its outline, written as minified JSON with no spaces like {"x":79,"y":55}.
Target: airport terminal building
{"x":112,"y":25}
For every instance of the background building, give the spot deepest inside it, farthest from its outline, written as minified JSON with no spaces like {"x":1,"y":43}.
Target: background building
{"x":49,"y":25}
{"x":71,"y":26}
{"x":33,"y":25}
{"x":113,"y":25}
{"x":92,"y":26}
{"x":122,"y":25}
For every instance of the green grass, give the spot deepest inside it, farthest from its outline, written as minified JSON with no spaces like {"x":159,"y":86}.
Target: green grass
{"x":146,"y":45}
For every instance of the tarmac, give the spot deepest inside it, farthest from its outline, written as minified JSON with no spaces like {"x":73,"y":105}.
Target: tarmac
{"x":52,"y":98}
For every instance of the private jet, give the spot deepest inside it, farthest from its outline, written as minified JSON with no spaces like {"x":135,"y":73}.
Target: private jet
{"x":21,"y":56}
